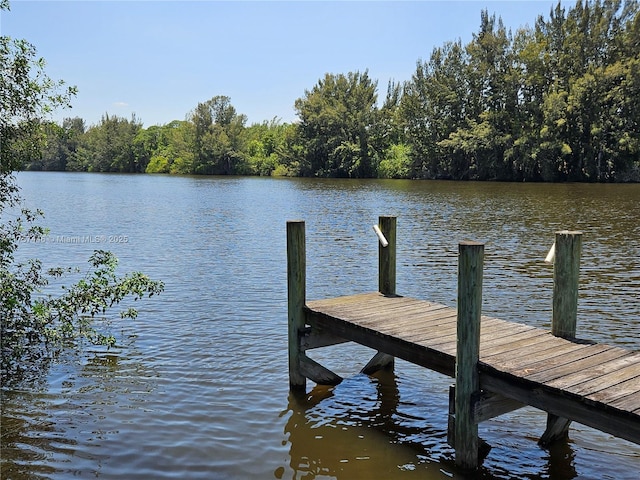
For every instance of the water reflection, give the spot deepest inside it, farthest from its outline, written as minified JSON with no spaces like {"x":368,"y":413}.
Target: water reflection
{"x":352,"y":431}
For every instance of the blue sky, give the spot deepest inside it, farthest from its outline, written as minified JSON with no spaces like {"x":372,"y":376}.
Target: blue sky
{"x":158,"y":59}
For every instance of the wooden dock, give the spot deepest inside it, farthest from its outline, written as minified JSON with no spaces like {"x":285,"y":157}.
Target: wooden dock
{"x":498,"y":366}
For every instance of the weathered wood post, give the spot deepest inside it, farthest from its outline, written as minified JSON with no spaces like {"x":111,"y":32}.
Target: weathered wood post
{"x":386,"y":230}
{"x":470,"y":264}
{"x":387,"y":256}
{"x":296,"y":293}
{"x":566,"y":270}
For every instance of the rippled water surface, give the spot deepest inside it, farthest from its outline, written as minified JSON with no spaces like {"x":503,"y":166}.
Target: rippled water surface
{"x":198,"y":387}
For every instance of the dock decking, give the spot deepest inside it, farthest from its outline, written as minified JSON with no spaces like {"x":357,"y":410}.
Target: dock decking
{"x":593,"y":384}
{"x":499,"y":366}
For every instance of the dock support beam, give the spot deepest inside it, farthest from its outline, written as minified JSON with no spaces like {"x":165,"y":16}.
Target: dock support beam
{"x":296,"y":292}
{"x":467,"y":391}
{"x":566,"y":270}
{"x":386,"y":284}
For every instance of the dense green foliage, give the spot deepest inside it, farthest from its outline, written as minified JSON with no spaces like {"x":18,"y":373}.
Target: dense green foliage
{"x":556,"y":101}
{"x":34,"y":326}
{"x":26,"y":94}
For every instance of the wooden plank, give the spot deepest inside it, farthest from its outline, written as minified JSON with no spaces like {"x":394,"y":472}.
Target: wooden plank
{"x":616,"y":392}
{"x":348,"y":299}
{"x":388,"y":316}
{"x":411,"y":352}
{"x":534,"y":361}
{"x":355,"y":312}
{"x":449,"y":347}
{"x":407,"y":322}
{"x":409,"y":315}
{"x":583,"y":370}
{"x":509,"y":338}
{"x":521,"y":347}
{"x":383,"y":307}
{"x":431,"y":335}
{"x":491,"y":321}
{"x":414,"y":326}
{"x":608,"y":375}
{"x":571,"y":370}
{"x":488,"y":330}
{"x":432,"y":320}
{"x":511,"y":361}
{"x":364,"y":300}
{"x":409,"y":330}
{"x":496,"y":335}
{"x":629,"y":403}
{"x":359,"y":304}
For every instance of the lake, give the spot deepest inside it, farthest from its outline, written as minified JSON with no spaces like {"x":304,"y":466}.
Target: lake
{"x":198,"y":385}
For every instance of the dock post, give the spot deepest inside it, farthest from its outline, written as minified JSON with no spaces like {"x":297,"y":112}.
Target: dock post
{"x":566,"y":269}
{"x":386,"y":284}
{"x":387,"y":257}
{"x":470,"y":264}
{"x":296,"y":292}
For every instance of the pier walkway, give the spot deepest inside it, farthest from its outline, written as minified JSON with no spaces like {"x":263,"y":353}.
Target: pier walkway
{"x":498,"y":366}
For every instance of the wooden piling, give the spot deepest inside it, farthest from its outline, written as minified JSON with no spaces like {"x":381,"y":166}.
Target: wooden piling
{"x":566,"y":269}
{"x":387,"y":256}
{"x":386,"y":284}
{"x":296,"y":293}
{"x":470,"y":263}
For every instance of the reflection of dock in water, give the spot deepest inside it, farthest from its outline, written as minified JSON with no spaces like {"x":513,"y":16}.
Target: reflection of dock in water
{"x":329,"y":438}
{"x":498,"y":366}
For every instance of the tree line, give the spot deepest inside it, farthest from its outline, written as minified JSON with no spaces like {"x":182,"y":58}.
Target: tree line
{"x":556,"y":101}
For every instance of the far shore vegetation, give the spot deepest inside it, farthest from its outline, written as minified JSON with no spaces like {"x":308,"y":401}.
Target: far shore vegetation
{"x":556,"y":101}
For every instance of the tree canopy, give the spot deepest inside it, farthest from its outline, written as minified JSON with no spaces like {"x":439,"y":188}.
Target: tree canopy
{"x":555,"y":101}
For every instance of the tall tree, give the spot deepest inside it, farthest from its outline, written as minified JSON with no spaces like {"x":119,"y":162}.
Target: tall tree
{"x":434,"y":105}
{"x":336,"y":119}
{"x":218,"y":137}
{"x":483,"y":142}
{"x":61,"y":145}
{"x":109,"y":146}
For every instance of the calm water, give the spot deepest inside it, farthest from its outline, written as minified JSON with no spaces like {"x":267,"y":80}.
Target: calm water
{"x":198,"y":388}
